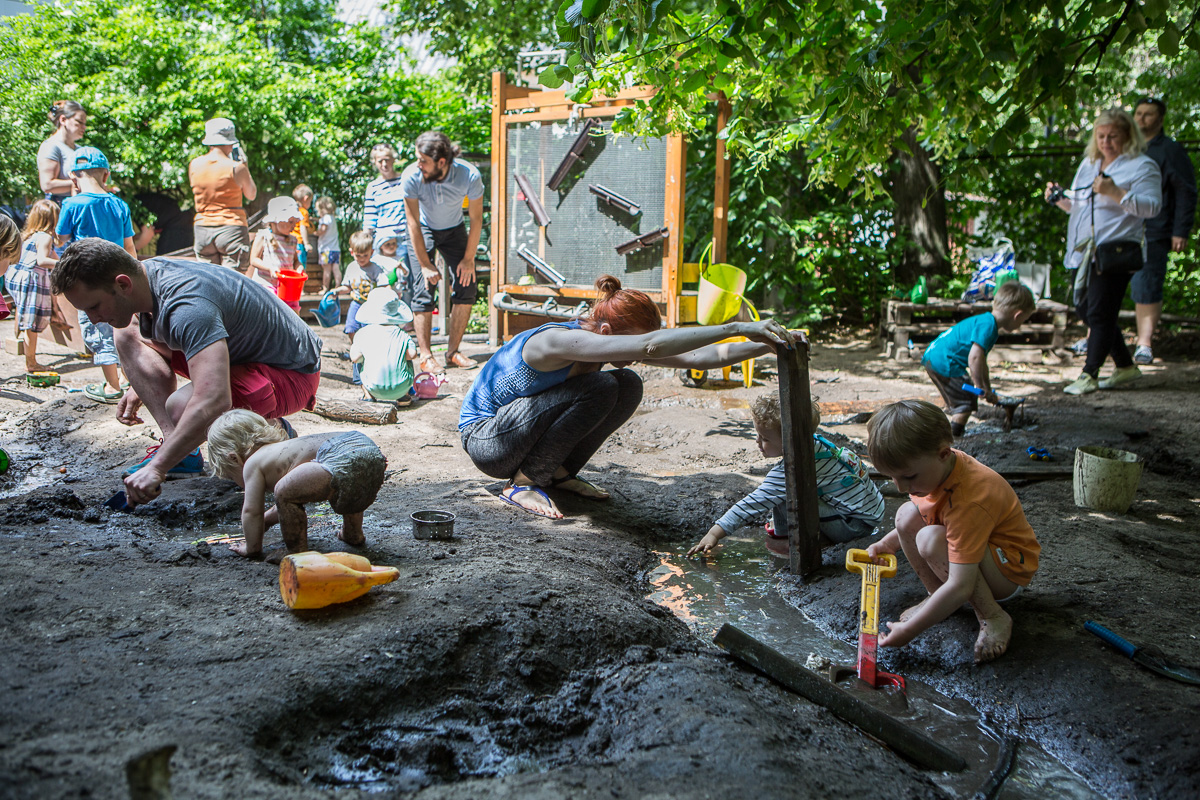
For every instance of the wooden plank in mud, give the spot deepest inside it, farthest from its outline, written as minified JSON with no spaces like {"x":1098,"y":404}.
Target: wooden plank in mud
{"x":908,"y":742}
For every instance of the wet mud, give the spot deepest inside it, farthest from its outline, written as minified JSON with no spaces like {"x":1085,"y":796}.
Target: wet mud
{"x":528,"y":658}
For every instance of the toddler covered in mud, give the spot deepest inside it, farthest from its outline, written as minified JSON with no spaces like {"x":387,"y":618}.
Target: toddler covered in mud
{"x":346,"y":469}
{"x":964,"y":531}
{"x":849,"y":504}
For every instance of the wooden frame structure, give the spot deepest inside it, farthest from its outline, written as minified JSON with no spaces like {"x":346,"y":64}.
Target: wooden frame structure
{"x":513,"y":105}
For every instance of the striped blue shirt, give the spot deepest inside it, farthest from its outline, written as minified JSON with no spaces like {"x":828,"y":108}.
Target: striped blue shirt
{"x":844,"y":489}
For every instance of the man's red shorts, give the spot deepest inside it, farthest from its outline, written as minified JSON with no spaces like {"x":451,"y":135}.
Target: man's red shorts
{"x":263,"y":389}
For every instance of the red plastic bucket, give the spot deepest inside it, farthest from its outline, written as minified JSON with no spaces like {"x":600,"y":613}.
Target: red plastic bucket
{"x":291,"y":285}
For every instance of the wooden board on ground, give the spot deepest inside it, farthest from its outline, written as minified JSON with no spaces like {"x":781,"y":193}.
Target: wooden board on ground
{"x":360,"y":411}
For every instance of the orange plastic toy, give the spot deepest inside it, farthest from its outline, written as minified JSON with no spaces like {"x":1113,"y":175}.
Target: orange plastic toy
{"x":316,"y":580}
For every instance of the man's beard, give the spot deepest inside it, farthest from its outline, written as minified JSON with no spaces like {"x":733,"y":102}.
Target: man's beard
{"x":438,"y":178}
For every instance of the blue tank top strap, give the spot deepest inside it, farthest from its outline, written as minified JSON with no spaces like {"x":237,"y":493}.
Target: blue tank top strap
{"x":506,"y":376}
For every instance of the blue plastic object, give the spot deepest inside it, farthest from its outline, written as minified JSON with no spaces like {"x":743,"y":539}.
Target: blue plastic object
{"x":1110,"y":637}
{"x":975,"y":390}
{"x":329,"y":311}
{"x":1039,"y":453}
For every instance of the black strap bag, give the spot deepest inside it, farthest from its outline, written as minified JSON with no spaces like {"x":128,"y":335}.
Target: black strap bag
{"x":1122,"y":255}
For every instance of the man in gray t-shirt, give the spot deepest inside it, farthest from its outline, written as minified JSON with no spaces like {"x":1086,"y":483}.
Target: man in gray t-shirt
{"x":239,"y":344}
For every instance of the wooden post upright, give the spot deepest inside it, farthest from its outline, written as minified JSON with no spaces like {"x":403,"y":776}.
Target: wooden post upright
{"x":499,"y":206}
{"x":673,"y":203}
{"x":795,"y":405}
{"x":721,"y":190}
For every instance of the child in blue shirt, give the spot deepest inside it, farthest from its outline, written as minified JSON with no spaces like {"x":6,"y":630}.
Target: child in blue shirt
{"x":94,"y":212}
{"x":959,"y":355}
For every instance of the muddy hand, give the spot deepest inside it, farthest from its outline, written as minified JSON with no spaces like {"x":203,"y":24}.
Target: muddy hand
{"x":432,"y":276}
{"x":898,"y":635}
{"x":127,"y":408}
{"x":767,"y":332}
{"x":143,"y":486}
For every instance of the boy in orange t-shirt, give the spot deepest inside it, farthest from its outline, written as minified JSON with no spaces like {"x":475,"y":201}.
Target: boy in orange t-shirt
{"x":964,"y":531}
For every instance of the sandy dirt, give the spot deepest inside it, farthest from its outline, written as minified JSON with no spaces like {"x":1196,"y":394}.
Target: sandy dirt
{"x":522,"y":659}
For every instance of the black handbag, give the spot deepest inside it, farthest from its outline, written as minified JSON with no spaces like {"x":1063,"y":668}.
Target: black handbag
{"x":1123,"y":255}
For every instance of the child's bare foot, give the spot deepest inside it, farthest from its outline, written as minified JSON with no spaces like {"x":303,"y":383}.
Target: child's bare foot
{"x":994,"y":633}
{"x":240,"y":549}
{"x":354,"y":538}
{"x":911,"y":611}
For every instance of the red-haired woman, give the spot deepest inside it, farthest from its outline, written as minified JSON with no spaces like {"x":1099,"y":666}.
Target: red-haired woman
{"x":541,"y":406}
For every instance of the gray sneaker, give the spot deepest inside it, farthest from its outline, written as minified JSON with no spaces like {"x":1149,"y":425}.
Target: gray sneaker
{"x":1143,"y":355}
{"x":1080,"y":347}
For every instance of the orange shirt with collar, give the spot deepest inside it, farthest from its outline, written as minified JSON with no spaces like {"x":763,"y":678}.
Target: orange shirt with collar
{"x":981,"y":512}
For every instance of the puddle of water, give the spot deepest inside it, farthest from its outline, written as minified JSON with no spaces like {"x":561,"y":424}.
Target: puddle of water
{"x":739,"y":587}
{"x":408,"y":757}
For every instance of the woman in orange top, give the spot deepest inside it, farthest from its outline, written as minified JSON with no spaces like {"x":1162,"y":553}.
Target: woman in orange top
{"x":219,"y":180}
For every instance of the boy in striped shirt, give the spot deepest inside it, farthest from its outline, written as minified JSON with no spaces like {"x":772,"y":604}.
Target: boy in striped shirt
{"x":849,"y":504}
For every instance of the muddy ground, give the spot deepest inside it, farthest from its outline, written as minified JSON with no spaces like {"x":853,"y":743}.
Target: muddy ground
{"x":521,"y":659}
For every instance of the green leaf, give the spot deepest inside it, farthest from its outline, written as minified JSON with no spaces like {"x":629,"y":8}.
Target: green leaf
{"x":593,"y":8}
{"x":549,"y":77}
{"x":1168,"y":41}
{"x":695,"y":81}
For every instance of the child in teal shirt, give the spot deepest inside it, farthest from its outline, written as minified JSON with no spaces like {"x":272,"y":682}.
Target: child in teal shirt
{"x":383,"y":349}
{"x":959,"y":355}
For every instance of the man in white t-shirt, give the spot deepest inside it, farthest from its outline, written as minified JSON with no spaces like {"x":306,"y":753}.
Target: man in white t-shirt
{"x":436,"y":189}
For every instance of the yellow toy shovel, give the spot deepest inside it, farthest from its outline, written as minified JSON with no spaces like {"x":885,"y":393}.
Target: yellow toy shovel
{"x":868,"y":615}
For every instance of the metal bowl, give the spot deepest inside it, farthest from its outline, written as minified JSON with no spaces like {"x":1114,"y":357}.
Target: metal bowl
{"x":432,"y":524}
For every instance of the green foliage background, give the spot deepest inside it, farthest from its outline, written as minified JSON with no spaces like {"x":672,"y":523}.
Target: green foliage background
{"x":819,"y":94}
{"x":309,"y":95}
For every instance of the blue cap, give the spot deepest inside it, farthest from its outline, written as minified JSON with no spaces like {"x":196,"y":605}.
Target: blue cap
{"x":88,"y":158}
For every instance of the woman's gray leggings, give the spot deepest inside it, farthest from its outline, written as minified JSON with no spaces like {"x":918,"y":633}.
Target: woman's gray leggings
{"x":563,"y":426}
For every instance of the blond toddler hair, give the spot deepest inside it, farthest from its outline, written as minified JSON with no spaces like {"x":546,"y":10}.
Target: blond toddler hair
{"x":361,"y":242}
{"x":302,"y":193}
{"x":768,"y":416}
{"x":900,"y":432}
{"x":325,"y":205}
{"x":236,"y":434}
{"x":1013,"y":296}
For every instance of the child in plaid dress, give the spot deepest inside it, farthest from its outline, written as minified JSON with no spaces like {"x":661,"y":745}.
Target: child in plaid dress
{"x":29,"y":280}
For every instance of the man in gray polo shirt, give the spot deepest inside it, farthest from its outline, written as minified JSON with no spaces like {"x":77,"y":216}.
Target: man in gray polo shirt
{"x":434,"y":190}
{"x":238,"y":343}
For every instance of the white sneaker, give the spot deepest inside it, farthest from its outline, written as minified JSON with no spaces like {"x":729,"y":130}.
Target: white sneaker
{"x":1080,"y":347}
{"x":1084,"y":384}
{"x":1143,"y":355}
{"x":1121,"y":375}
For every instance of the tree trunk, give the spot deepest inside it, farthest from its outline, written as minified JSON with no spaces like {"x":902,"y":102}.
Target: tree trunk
{"x":920,"y":213}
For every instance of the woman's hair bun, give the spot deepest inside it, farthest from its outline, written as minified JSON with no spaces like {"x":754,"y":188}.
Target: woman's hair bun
{"x":608,"y":286}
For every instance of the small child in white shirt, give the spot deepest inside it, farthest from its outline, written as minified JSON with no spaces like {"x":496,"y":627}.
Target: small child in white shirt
{"x":329,"y":250}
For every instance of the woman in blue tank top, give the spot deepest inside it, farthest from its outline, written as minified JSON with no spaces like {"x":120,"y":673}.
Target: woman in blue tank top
{"x":541,"y":406}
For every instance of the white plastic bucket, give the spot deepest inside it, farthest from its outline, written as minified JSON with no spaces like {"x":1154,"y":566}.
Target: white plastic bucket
{"x":1106,"y":479}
